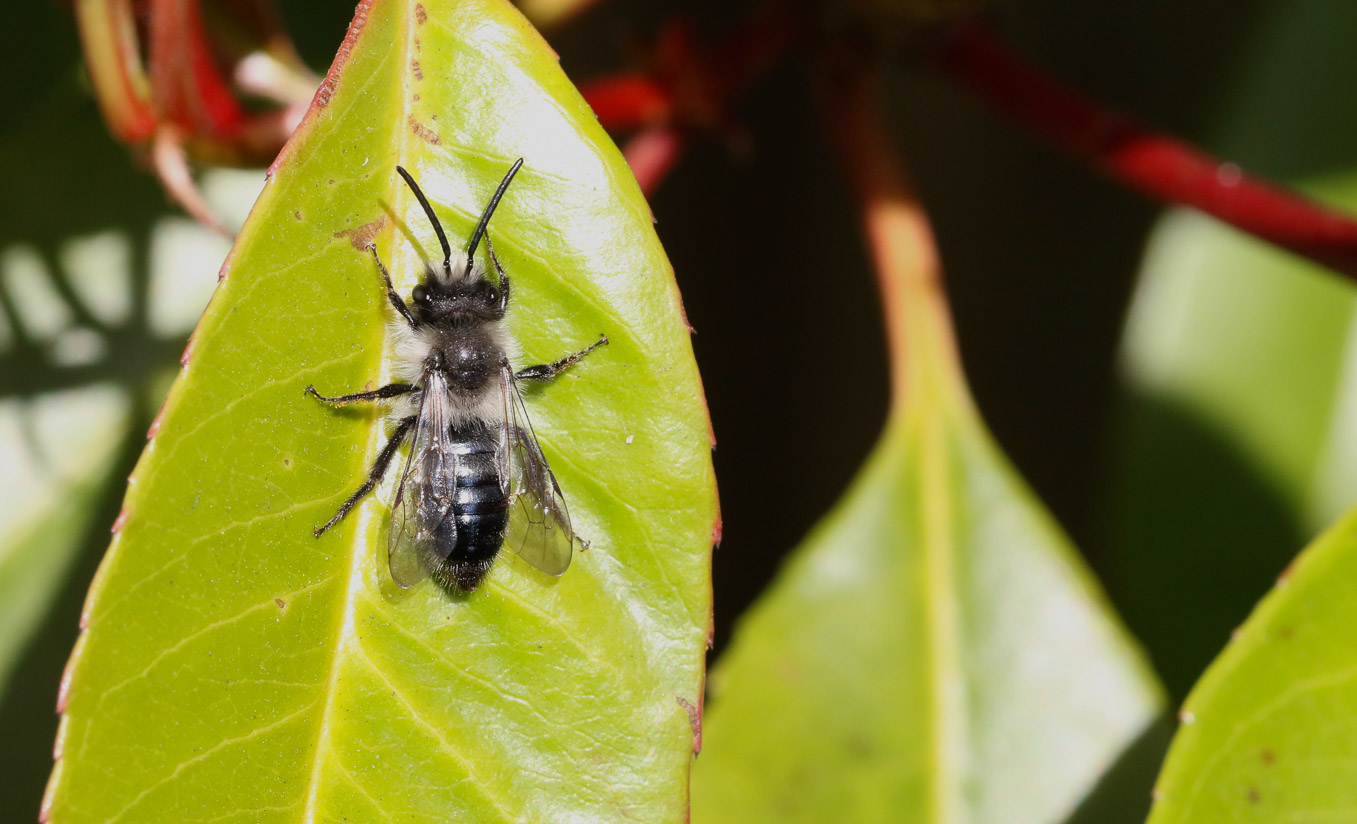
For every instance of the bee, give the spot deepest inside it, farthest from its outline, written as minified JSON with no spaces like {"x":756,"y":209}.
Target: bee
{"x":474,"y":477}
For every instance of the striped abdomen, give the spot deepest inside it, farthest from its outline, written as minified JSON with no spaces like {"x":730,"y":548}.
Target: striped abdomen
{"x":480,"y":510}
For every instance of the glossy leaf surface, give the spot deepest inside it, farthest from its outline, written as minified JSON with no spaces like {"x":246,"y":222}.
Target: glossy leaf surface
{"x":1268,"y":732}
{"x":238,"y":669}
{"x":1240,"y":438}
{"x":935,"y":652}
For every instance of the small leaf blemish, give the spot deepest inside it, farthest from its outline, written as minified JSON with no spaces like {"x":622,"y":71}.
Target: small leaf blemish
{"x":361,"y":237}
{"x":694,"y":720}
{"x":423,"y":132}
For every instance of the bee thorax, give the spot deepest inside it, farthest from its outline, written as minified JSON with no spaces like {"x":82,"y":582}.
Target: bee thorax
{"x":469,"y":357}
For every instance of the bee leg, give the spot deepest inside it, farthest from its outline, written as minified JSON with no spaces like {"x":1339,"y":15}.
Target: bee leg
{"x":391,"y":290}
{"x":547,"y":371}
{"x":374,"y":475}
{"x":389,"y":391}
{"x":503,"y":278}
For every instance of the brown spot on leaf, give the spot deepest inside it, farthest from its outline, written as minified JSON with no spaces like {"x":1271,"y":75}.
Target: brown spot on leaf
{"x":423,"y":132}
{"x":1267,"y":756}
{"x":694,"y":719}
{"x":1254,"y":796}
{"x":280,"y":602}
{"x":297,"y":214}
{"x":415,"y":69}
{"x":421,"y":16}
{"x":362,"y":236}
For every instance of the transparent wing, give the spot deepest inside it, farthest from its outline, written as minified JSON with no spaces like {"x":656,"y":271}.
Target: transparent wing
{"x":539,"y":524}
{"x":422,"y":510}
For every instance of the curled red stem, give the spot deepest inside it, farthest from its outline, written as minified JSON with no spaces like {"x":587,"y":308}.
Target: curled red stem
{"x":1156,"y":164}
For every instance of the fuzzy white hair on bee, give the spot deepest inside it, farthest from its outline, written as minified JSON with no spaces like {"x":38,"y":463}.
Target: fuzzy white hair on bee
{"x":473,"y":457}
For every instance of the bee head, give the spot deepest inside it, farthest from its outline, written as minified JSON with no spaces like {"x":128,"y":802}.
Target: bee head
{"x":457,"y":301}
{"x":460,"y":293}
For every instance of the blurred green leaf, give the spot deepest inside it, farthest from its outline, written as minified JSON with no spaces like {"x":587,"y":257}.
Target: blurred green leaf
{"x":935,"y":652}
{"x":238,"y":669}
{"x":100,"y":284}
{"x":1268,"y":731}
{"x":1239,"y":440}
{"x":48,"y":499}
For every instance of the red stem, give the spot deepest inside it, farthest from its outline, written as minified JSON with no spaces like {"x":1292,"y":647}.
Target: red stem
{"x":1159,"y":165}
{"x":628,"y":100}
{"x":186,"y":82}
{"x":899,"y":233}
{"x":651,"y":154}
{"x":687,"y":90}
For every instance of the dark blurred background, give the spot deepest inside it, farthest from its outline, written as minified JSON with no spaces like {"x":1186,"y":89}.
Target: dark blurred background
{"x":1040,"y":255}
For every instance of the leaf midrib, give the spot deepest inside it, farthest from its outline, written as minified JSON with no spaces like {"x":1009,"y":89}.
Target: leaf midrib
{"x":360,"y":544}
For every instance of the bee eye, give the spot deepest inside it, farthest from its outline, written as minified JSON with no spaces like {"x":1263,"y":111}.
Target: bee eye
{"x":420,"y":294}
{"x":492,"y":295}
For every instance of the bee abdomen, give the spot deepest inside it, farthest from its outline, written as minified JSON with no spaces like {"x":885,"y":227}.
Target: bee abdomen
{"x":480,"y":508}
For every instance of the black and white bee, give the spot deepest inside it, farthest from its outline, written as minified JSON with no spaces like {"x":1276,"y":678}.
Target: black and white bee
{"x":475,"y":476}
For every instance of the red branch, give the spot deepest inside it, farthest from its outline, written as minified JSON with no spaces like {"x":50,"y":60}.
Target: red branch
{"x":1159,"y":165}
{"x":684,"y":89}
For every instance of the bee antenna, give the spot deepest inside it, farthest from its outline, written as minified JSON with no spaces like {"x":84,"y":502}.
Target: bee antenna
{"x":490,"y":210}
{"x":433,"y":218}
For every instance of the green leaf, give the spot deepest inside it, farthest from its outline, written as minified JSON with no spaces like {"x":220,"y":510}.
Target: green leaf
{"x":100,"y":283}
{"x":1240,"y":438}
{"x":238,"y":669}
{"x":1268,"y":731}
{"x":935,"y":652}
{"x":57,"y":453}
